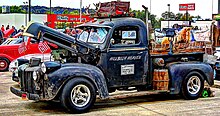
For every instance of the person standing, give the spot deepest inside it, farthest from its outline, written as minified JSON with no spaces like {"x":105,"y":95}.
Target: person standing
{"x":15,"y":31}
{"x":21,"y":29}
{"x":214,"y":34}
{"x":7,"y":27}
{"x":2,"y":28}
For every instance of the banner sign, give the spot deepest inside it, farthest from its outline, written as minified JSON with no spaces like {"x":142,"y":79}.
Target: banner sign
{"x":186,"y":7}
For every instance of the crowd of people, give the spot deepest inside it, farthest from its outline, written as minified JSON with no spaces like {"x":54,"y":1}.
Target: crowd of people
{"x":15,"y":31}
{"x":72,"y":32}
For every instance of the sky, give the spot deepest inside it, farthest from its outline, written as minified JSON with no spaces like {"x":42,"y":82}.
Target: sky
{"x":202,"y":7}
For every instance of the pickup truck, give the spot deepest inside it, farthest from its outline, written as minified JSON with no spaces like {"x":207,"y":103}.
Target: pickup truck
{"x":108,"y":55}
{"x":8,"y":53}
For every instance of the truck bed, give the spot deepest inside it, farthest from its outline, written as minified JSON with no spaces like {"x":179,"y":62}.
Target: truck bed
{"x":181,"y":49}
{"x":185,"y":54}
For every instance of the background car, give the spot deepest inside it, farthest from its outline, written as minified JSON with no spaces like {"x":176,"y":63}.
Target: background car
{"x":18,"y":48}
{"x":6,"y":42}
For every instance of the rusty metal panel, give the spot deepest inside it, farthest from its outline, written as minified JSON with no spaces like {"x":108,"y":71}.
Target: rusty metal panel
{"x":61,"y":76}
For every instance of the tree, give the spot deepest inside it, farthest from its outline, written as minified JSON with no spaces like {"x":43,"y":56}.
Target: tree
{"x":16,"y":9}
{"x":142,"y":15}
{"x":168,"y":15}
{"x":66,"y":11}
{"x":74,"y":12}
{"x":179,"y":16}
{"x":48,"y":12}
{"x":184,"y":17}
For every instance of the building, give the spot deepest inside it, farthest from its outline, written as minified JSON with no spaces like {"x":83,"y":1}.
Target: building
{"x":17,"y":19}
{"x":57,"y":21}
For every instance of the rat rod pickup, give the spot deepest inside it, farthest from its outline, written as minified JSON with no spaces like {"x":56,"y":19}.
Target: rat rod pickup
{"x":106,"y":56}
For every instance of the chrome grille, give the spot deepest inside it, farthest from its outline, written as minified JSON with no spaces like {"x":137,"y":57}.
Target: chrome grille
{"x":26,"y":81}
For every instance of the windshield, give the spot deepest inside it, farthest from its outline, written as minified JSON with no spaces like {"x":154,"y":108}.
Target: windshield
{"x":18,"y":40}
{"x":6,"y":42}
{"x":94,"y":35}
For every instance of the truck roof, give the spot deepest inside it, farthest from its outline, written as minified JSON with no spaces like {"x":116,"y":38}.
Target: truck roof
{"x":114,"y":23}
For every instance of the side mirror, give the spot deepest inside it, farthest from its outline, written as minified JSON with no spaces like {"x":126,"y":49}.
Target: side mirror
{"x":112,"y":41}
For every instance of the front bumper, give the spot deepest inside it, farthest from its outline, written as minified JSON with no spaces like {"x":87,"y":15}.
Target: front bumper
{"x":16,"y":90}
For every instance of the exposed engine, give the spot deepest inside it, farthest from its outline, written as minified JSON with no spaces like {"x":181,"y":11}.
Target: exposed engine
{"x":68,"y":48}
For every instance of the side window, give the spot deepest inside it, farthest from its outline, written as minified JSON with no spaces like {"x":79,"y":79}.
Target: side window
{"x":25,"y":39}
{"x":125,"y":35}
{"x":33,"y":41}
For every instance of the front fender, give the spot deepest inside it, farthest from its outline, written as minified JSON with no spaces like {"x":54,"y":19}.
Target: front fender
{"x":60,"y":77}
{"x":7,"y":56}
{"x":178,"y":72}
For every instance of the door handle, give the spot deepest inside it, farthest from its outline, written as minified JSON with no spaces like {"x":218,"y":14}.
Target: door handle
{"x":140,"y":53}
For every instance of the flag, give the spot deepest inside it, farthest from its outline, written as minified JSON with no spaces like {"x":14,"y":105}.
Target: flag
{"x":22,"y":48}
{"x":43,"y":47}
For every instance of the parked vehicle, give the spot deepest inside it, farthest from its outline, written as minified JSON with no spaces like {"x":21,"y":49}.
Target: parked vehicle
{"x":6,"y":42}
{"x":106,"y":56}
{"x":16,"y":41}
{"x":6,"y":34}
{"x":16,"y":48}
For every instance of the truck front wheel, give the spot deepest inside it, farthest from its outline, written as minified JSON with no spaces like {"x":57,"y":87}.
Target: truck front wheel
{"x":78,"y":95}
{"x":193,"y":85}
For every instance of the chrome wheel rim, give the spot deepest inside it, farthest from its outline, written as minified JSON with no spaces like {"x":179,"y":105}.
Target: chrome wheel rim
{"x":80,"y":95}
{"x":193,"y":85}
{"x":2,"y":64}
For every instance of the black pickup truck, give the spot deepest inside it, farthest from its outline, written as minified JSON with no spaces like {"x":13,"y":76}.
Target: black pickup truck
{"x":106,"y":56}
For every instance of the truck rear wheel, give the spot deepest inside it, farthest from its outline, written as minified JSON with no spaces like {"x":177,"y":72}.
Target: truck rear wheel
{"x":193,"y":85}
{"x":78,"y":95}
{"x":4,"y":64}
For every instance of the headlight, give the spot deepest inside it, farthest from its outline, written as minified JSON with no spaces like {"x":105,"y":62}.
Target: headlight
{"x":16,"y":72}
{"x":35,"y":75}
{"x":16,"y":63}
{"x":43,"y":68}
{"x":13,"y":66}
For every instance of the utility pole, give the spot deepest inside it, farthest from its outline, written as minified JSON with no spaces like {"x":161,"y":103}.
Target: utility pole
{"x":168,"y":15}
{"x":146,"y":11}
{"x":150,"y":7}
{"x":50,"y":11}
{"x":50,"y":6}
{"x":218,"y":6}
{"x":218,"y":12}
{"x":80,"y":11}
{"x":29,"y":10}
{"x":26,"y":8}
{"x":212,"y":7}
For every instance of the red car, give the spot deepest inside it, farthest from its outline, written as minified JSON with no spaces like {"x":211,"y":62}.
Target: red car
{"x":6,"y":34}
{"x":9,"y":53}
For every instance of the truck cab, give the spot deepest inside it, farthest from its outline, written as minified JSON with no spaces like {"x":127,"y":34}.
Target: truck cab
{"x":106,"y":56}
{"x":123,"y":48}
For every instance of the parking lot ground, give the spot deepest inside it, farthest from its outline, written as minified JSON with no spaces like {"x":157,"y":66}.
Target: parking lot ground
{"x":123,"y":104}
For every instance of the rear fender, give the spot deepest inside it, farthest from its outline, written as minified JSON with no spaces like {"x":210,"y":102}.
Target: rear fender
{"x":179,"y":71}
{"x":59,"y":78}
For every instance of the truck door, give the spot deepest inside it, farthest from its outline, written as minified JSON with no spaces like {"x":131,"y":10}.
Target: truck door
{"x":127,"y":57}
